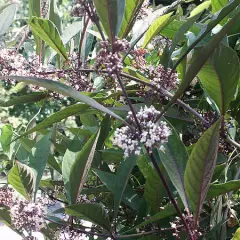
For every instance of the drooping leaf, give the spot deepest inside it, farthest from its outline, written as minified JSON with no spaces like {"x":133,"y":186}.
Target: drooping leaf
{"x":220,"y":81}
{"x":7,"y":15}
{"x":156,"y":27}
{"x":174,"y":158}
{"x":48,"y":32}
{"x":111,"y":14}
{"x":81,"y":166}
{"x":92,"y":212}
{"x":121,"y":179}
{"x":129,"y":17}
{"x":200,"y":168}
{"x":65,"y":90}
{"x":39,"y":157}
{"x":22,"y":179}
{"x":129,"y":196}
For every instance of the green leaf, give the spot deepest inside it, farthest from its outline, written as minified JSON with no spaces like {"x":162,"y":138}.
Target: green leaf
{"x":220,"y":81}
{"x":6,"y":137}
{"x":174,"y":158}
{"x":54,"y":15}
{"x":200,"y":168}
{"x":144,"y":166}
{"x":52,"y":162}
{"x":7,"y":15}
{"x":132,"y":9}
{"x":33,"y":97}
{"x":216,"y":190}
{"x":67,"y":163}
{"x":81,"y":166}
{"x":34,"y":8}
{"x":200,"y":8}
{"x":156,"y":27}
{"x":39,"y":157}
{"x":57,"y":117}
{"x":112,"y":155}
{"x":92,"y":212}
{"x":65,"y":90}
{"x":110,"y":13}
{"x":154,"y":191}
{"x":206,"y":51}
{"x":5,"y":216}
{"x":48,"y":32}
{"x":129,"y":196}
{"x":236,"y":235}
{"x":22,"y":179}
{"x":123,"y":173}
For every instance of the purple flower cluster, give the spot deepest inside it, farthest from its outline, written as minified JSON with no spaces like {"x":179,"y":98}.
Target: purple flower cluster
{"x":66,"y":233}
{"x":162,"y":78}
{"x":111,"y":60}
{"x":6,"y":197}
{"x":28,"y":216}
{"x":153,"y":133}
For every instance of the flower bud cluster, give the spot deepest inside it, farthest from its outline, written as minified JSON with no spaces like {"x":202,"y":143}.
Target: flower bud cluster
{"x":66,"y":233}
{"x":111,"y":60}
{"x":162,"y":78}
{"x":153,"y":133}
{"x":80,"y":8}
{"x":28,"y":216}
{"x":6,"y":197}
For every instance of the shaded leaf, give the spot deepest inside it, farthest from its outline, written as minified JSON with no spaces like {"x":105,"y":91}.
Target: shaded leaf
{"x":121,"y":179}
{"x":5,"y":216}
{"x":81,"y":166}
{"x":6,"y":137}
{"x":111,"y":14}
{"x":220,"y":81}
{"x":200,"y":168}
{"x":92,"y":212}
{"x":174,"y":158}
{"x":39,"y":157}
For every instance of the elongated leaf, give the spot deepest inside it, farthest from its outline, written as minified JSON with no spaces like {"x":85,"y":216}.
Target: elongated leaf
{"x":67,"y":163}
{"x":123,"y":173}
{"x":156,"y":27}
{"x":92,"y":212}
{"x":22,"y":179}
{"x":174,"y":158}
{"x":129,"y":196}
{"x":200,"y":168}
{"x":6,"y":137}
{"x":200,"y":8}
{"x":81,"y":166}
{"x":34,"y":8}
{"x":154,"y":191}
{"x":202,"y":56}
{"x":54,"y":15}
{"x":129,"y":17}
{"x":39,"y":157}
{"x":65,"y":90}
{"x":222,"y":188}
{"x":7,"y":16}
{"x":52,"y":162}
{"x":220,"y":81}
{"x":144,"y":166}
{"x":57,"y":117}
{"x":33,"y":97}
{"x":111,"y":14}
{"x":48,"y":32}
{"x":112,"y":155}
